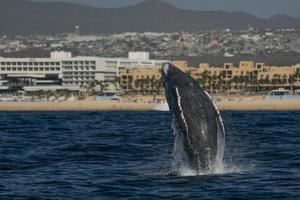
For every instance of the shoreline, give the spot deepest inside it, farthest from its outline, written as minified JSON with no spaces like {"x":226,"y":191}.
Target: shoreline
{"x":84,"y":105}
{"x":261,"y":105}
{"x":249,"y":103}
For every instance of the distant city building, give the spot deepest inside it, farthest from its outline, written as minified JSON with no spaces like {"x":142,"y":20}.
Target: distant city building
{"x":77,"y":30}
{"x":139,"y":55}
{"x":279,"y":46}
{"x":63,"y":71}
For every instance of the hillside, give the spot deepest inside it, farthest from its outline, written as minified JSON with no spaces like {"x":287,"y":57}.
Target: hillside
{"x":25,"y":17}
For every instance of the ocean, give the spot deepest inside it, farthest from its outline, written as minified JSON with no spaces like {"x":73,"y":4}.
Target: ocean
{"x":128,"y":155}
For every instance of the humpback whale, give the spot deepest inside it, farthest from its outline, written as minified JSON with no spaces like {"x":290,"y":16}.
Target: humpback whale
{"x":195,"y":118}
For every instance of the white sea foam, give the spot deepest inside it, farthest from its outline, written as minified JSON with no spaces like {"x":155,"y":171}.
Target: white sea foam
{"x":186,"y":171}
{"x":218,"y":170}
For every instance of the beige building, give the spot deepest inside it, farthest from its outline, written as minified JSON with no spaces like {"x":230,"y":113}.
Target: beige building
{"x":248,"y":77}
{"x":146,"y":80}
{"x":142,"y":80}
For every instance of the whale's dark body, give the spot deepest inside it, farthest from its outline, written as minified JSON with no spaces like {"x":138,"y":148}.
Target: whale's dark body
{"x":195,"y":117}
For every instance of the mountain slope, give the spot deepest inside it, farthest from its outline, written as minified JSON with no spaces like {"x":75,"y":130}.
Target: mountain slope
{"x":26,"y":17}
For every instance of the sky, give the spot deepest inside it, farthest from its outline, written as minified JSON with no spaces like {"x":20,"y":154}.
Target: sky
{"x":260,"y":8}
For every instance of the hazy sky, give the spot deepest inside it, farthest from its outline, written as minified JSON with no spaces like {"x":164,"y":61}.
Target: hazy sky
{"x":262,"y":8}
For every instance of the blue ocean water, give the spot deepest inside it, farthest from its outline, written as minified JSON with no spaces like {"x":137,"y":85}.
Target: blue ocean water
{"x":128,"y":155}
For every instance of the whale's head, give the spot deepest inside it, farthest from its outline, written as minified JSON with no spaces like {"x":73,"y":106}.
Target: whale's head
{"x":173,"y":77}
{"x":175,"y":81}
{"x":170,"y":74}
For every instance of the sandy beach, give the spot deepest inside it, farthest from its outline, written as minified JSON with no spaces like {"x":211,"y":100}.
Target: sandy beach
{"x":257,"y":103}
{"x":84,"y":105}
{"x":249,"y":103}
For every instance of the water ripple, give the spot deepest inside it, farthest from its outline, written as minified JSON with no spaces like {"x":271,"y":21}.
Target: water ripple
{"x":113,"y":155}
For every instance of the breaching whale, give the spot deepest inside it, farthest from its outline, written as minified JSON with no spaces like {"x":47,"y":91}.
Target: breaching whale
{"x":195,"y":118}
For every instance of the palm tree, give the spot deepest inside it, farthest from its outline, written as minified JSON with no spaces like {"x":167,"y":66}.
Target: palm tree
{"x":152,"y":84}
{"x":137,"y":85}
{"x":275,"y":80}
{"x":204,"y":76}
{"x":210,"y":84}
{"x":141,"y":85}
{"x":117,"y":82}
{"x":158,"y":86}
{"x":292,"y":80}
{"x":130,"y":82}
{"x":147,"y":84}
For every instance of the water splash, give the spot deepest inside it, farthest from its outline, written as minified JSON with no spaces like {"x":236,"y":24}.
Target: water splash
{"x":180,"y":163}
{"x":226,"y":169}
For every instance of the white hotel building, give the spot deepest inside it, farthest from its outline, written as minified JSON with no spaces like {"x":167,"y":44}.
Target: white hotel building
{"x":63,"y":71}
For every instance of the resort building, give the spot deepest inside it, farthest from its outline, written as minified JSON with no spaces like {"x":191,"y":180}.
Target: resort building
{"x":142,"y":80}
{"x":63,"y":71}
{"x":146,"y":80}
{"x":248,"y":77}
